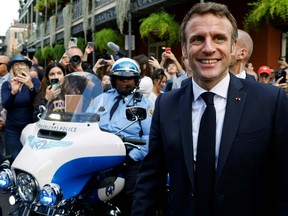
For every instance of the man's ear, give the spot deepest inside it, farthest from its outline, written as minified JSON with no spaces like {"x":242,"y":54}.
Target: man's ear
{"x":241,"y":54}
{"x":234,"y":48}
{"x":184,"y":51}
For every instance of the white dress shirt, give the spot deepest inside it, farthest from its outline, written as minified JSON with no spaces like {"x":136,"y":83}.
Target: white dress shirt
{"x":241,"y":75}
{"x":199,"y":105}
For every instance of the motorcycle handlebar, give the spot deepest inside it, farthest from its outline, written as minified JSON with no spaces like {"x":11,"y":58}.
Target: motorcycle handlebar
{"x":134,"y":140}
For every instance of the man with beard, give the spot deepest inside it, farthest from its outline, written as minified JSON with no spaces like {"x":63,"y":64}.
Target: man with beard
{"x":111,"y":106}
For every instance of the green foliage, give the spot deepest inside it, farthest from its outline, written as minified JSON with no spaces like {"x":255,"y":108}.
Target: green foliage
{"x":102,"y":37}
{"x":38,"y":54}
{"x":165,"y":26}
{"x":40,"y":4}
{"x":265,"y":10}
{"x":58,"y":51}
{"x":81,"y":43}
{"x":47,"y":52}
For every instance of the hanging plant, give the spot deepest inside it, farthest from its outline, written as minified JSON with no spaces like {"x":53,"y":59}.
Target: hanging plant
{"x":267,"y":11}
{"x":85,"y":5}
{"x":41,"y":4}
{"x":47,"y":52}
{"x":58,"y":51}
{"x":102,"y":37}
{"x":38,"y":54}
{"x":67,"y":14}
{"x":42,"y":33}
{"x":162,"y":26}
{"x":53,"y":22}
{"x":81,"y":43}
{"x":93,"y":14}
{"x":121,"y":9}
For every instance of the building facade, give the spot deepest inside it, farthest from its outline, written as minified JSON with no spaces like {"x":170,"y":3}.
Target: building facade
{"x":55,"y":24}
{"x":15,"y":39}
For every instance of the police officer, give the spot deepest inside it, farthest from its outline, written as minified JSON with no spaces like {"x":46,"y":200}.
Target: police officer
{"x":111,"y":106}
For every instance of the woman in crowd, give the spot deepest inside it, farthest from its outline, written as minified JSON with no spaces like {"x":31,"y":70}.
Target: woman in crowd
{"x":50,"y":89}
{"x":18,"y":94}
{"x":159,"y":81}
{"x":146,"y":84}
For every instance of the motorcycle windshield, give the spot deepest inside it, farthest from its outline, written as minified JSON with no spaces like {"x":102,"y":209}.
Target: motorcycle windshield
{"x":78,"y":90}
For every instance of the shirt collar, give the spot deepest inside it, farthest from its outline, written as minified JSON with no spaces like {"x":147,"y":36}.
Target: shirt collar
{"x":241,"y":75}
{"x":221,"y":89}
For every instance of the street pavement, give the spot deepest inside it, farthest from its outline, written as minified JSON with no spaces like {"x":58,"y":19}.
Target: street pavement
{"x":4,"y":203}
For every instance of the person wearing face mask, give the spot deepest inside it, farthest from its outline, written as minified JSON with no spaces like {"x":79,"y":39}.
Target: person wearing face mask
{"x":50,"y":89}
{"x":125,"y":77}
{"x":18,"y":94}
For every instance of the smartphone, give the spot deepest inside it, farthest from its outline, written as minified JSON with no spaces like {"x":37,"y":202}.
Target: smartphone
{"x":168,"y":50}
{"x":24,"y":71}
{"x":103,"y":62}
{"x":54,"y":81}
{"x":151,"y":55}
{"x":279,"y":74}
{"x":73,"y":41}
{"x":90,"y":45}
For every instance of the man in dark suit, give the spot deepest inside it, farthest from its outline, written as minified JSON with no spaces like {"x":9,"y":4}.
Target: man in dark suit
{"x":251,"y":145}
{"x":244,"y":49}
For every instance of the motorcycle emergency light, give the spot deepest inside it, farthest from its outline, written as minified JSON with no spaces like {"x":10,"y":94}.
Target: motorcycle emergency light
{"x":50,"y":195}
{"x":6,"y":179}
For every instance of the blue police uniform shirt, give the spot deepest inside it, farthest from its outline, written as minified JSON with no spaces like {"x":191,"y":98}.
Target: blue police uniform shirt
{"x":102,"y":105}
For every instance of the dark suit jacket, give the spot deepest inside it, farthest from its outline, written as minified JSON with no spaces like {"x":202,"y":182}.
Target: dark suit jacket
{"x":252,"y":170}
{"x":250,"y":77}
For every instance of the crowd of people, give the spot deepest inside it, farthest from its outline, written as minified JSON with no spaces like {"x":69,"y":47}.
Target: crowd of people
{"x":245,"y":161}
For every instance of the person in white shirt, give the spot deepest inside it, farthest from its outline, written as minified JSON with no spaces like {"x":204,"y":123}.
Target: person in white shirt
{"x":159,"y":81}
{"x":146,"y":84}
{"x":244,"y":49}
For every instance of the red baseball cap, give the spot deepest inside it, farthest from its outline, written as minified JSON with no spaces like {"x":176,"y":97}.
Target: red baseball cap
{"x":264,"y":69}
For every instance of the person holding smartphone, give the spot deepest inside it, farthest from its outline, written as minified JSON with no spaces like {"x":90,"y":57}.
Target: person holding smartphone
{"x":281,"y":79}
{"x":50,"y":90}
{"x":17,"y":95}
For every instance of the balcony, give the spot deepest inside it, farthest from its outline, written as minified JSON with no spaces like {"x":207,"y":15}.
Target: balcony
{"x":103,"y":13}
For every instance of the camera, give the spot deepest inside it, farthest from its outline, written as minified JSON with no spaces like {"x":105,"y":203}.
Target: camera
{"x":279,"y":74}
{"x":75,"y":60}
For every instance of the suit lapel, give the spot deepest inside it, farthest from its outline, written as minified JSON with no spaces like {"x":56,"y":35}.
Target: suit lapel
{"x":185,"y":115}
{"x":235,"y":103}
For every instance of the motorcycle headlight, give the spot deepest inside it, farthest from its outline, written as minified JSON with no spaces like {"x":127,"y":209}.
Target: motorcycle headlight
{"x":6,"y":179}
{"x":50,"y":195}
{"x":27,"y":187}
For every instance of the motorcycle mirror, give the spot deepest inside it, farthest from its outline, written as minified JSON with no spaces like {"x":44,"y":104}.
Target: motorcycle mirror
{"x":42,"y":109}
{"x":136,"y":113}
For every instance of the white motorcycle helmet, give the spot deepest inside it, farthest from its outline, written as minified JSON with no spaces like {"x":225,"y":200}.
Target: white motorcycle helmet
{"x":125,"y":67}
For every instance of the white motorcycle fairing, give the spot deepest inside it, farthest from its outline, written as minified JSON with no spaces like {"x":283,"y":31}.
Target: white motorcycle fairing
{"x":68,"y":166}
{"x":71,"y":161}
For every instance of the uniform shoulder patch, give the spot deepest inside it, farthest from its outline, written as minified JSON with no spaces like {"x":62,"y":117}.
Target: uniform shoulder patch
{"x":150,"y":111}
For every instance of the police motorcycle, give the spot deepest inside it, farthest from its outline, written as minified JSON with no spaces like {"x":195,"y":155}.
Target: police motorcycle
{"x":68,"y":165}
